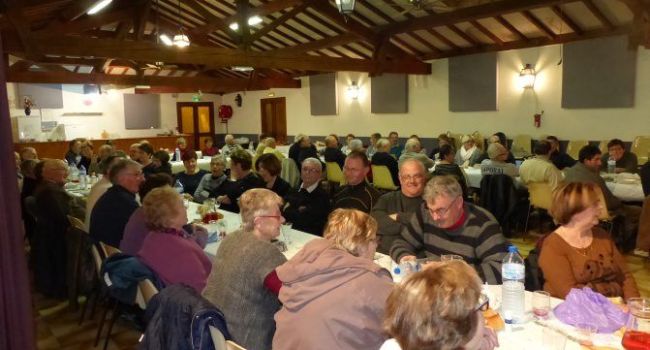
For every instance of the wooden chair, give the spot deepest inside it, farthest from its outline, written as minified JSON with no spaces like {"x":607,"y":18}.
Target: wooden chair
{"x":220,"y":342}
{"x":603,"y":146}
{"x":108,"y":250}
{"x":382,"y":179}
{"x":521,"y":146}
{"x":540,"y":196}
{"x":574,"y":146}
{"x":334,"y":173}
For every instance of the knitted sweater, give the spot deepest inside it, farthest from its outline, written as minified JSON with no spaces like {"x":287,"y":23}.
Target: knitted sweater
{"x":361,"y":197}
{"x":478,"y":240}
{"x":236,"y":287}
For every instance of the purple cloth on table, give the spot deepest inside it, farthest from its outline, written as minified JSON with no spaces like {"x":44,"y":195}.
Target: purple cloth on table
{"x":175,"y":259}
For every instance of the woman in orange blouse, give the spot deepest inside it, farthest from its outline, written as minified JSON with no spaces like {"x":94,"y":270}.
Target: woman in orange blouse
{"x":579,"y":253}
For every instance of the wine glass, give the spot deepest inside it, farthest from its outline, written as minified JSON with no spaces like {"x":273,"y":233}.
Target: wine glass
{"x":637,"y":334}
{"x":450,"y":257}
{"x":285,"y":231}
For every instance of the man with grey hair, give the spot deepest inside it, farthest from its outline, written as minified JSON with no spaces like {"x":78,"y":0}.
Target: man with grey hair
{"x":332,"y":152}
{"x":114,"y":208}
{"x":382,"y":157}
{"x":412,"y":150}
{"x":309,"y":207}
{"x":394,"y":206}
{"x":301,"y":149}
{"x":445,"y":224}
{"x":230,"y":146}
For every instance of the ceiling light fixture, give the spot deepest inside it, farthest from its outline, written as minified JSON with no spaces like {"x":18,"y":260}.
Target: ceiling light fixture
{"x":166,"y":39}
{"x":353,"y":91}
{"x":527,"y":77}
{"x":180,"y":40}
{"x":345,"y":7}
{"x":252,"y":21}
{"x":242,"y":68}
{"x":98,"y":6}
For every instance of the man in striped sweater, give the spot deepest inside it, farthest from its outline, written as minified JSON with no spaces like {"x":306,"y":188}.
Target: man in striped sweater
{"x":445,"y":224}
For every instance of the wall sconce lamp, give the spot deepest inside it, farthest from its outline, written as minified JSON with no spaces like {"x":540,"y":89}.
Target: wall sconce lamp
{"x":353,"y":91}
{"x":527,"y":77}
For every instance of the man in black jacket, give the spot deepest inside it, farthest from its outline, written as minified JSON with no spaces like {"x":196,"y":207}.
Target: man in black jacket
{"x":114,"y":208}
{"x":357,"y":193}
{"x":332,"y":152}
{"x":309,"y":207}
{"x":302,"y":149}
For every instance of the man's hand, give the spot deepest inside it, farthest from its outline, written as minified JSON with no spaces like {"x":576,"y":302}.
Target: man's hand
{"x":223,"y":199}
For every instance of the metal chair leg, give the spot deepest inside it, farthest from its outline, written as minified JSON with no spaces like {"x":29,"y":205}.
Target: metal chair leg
{"x":117,"y":311}
{"x":101,"y":325}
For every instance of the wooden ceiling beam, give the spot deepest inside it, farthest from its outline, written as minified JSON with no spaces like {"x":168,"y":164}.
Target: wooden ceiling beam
{"x":140,"y":21}
{"x":532,"y":42}
{"x":538,"y":24}
{"x":463,"y":35}
{"x":443,"y":38}
{"x":467,"y":14}
{"x":317,"y":44}
{"x":213,"y":22}
{"x":566,"y":19}
{"x":243,"y":12}
{"x":279,"y":21}
{"x":89,"y":22}
{"x":504,"y":22}
{"x":150,"y":52}
{"x":598,"y":13}
{"x":194,"y":83}
{"x":487,"y":32}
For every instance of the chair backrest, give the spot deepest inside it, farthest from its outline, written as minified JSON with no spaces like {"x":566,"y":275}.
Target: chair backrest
{"x":574,"y":146}
{"x":521,"y":145}
{"x":108,"y":250}
{"x":603,"y":146}
{"x":540,"y":194}
{"x":290,"y":172}
{"x":146,"y":291}
{"x":455,"y":139}
{"x":479,"y":140}
{"x":641,"y":147}
{"x":381,"y":178}
{"x":30,"y":206}
{"x":76,"y":223}
{"x":334,"y":173}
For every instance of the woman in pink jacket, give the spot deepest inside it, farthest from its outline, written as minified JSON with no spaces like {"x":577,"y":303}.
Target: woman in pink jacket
{"x":333,"y":294}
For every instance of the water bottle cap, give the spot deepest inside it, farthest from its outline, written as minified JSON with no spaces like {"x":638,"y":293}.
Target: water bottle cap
{"x":512,"y":249}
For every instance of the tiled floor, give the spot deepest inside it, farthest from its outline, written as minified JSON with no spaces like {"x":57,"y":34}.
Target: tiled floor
{"x":57,"y":327}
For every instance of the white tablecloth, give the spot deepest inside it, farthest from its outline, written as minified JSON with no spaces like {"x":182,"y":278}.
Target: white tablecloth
{"x":528,"y":335}
{"x":626,"y":191}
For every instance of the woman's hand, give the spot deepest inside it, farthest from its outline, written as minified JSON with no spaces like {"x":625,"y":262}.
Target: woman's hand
{"x":223,"y":199}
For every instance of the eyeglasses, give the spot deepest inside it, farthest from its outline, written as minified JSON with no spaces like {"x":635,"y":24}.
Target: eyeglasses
{"x":270,"y":216}
{"x":310,"y":170}
{"x":442,"y":211}
{"x":138,"y":174}
{"x":415,"y":177}
{"x":483,"y":303}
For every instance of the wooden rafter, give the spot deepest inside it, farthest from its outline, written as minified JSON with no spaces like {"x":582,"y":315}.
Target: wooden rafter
{"x":504,"y":22}
{"x":90,"y":22}
{"x":468,"y":14}
{"x":538,"y":24}
{"x":318,"y":44}
{"x":278,"y":21}
{"x":566,"y":19}
{"x":150,"y":52}
{"x":461,"y":33}
{"x":487,"y":32}
{"x":598,"y":13}
{"x":142,"y":13}
{"x":532,"y":42}
{"x":213,"y":21}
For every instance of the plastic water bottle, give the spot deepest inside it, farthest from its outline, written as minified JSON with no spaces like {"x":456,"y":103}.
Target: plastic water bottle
{"x":611,"y":165}
{"x":82,"y":177}
{"x":93,"y":179}
{"x":177,"y":154}
{"x":512,"y":291}
{"x":178,"y":186}
{"x":400,"y":271}
{"x":73,"y":173}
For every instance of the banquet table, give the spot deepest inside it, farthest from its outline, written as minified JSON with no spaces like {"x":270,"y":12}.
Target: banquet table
{"x":626,"y":187}
{"x":529,"y":334}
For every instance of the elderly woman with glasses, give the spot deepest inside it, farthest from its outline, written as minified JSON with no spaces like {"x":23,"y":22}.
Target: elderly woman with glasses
{"x":579,"y":253}
{"x":333,"y":294}
{"x":243,"y":283}
{"x":438,"y":308}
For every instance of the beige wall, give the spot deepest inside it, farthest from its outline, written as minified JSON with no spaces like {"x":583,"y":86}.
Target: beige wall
{"x":428,"y":106}
{"x":111,"y":105}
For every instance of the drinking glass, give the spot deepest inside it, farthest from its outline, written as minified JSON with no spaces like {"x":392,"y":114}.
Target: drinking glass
{"x":285,"y":231}
{"x":450,"y":257}
{"x":541,"y":304}
{"x":637,"y":333}
{"x":222,"y":229}
{"x":552,"y":339}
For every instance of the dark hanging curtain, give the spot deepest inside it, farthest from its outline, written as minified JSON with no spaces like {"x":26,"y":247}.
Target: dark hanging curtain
{"x":16,"y":320}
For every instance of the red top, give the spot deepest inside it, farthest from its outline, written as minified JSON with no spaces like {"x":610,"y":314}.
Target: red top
{"x":272,"y":282}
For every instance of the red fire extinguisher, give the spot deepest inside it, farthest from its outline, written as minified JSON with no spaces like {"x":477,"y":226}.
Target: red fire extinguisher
{"x":538,"y":119}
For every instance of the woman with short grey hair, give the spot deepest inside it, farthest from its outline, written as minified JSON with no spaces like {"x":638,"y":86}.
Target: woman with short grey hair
{"x":243,"y":273}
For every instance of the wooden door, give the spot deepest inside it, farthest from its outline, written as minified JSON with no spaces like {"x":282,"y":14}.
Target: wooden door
{"x":274,"y":118}
{"x":196,"y":119}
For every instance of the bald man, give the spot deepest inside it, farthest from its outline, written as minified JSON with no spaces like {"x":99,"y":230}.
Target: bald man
{"x":52,"y":206}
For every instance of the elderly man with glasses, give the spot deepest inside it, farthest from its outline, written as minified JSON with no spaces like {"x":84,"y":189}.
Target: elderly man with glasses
{"x":308,"y":208}
{"x":393,"y":205}
{"x":114,"y":208}
{"x":446,"y":224}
